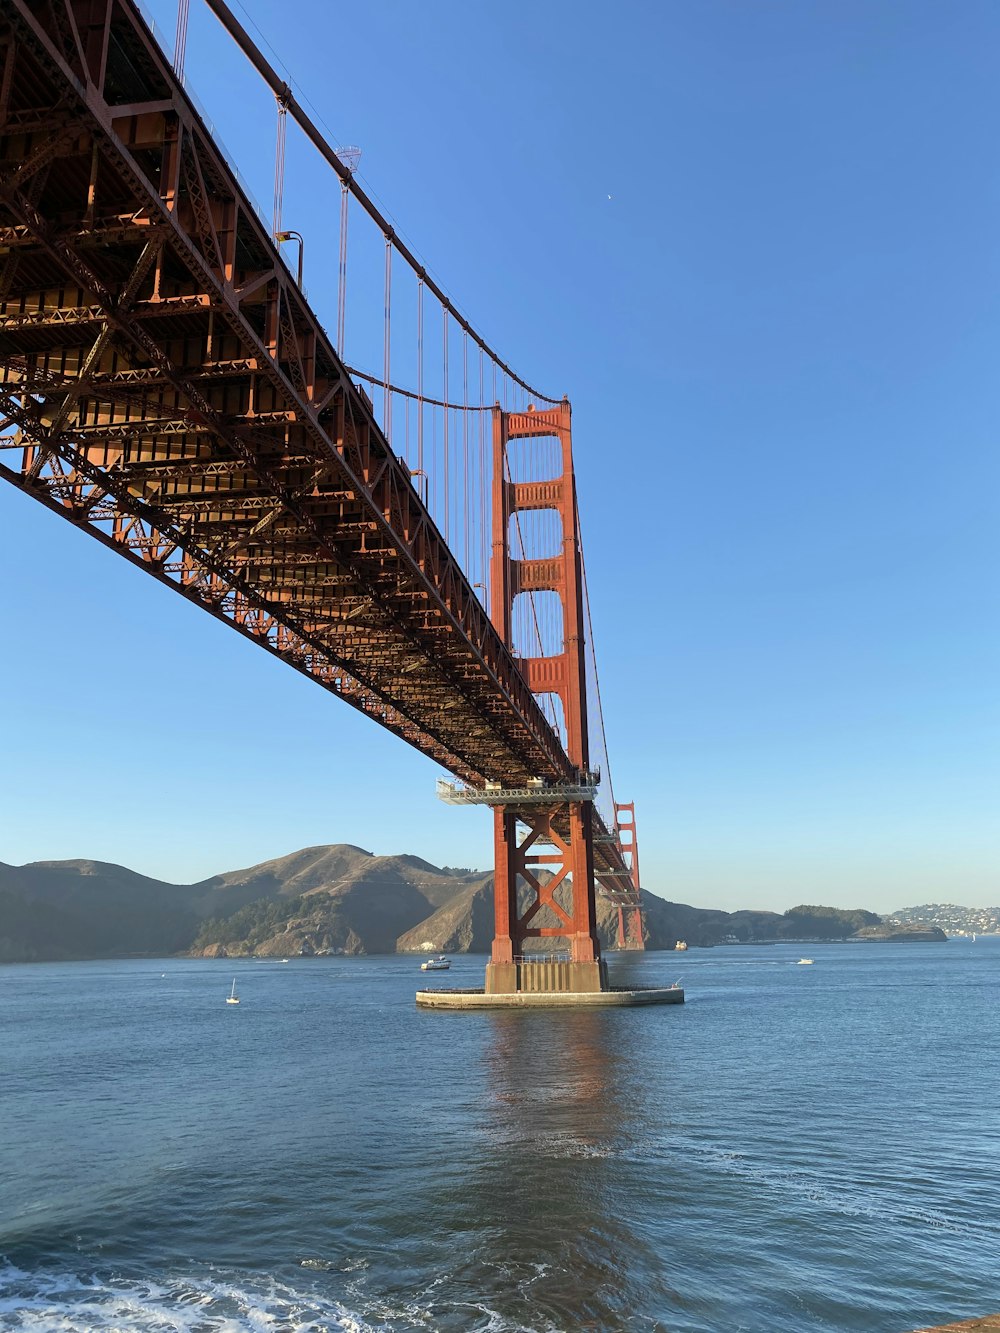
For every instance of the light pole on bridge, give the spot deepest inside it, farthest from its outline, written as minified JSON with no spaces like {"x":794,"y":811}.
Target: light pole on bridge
{"x":280,"y":236}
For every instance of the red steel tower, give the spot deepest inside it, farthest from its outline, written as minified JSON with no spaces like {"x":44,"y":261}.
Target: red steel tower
{"x":629,"y":914}
{"x":546,"y":827}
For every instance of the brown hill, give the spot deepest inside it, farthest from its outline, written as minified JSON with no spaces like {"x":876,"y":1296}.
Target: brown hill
{"x":90,"y":909}
{"x":342,"y":899}
{"x":284,"y":876}
{"x":463,"y":925}
{"x":338,"y":898}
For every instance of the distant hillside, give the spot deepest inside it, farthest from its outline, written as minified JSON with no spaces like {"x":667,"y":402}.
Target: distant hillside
{"x":953,"y":920}
{"x":335,"y":899}
{"x":345,"y":900}
{"x":91,"y":909}
{"x":320,"y":899}
{"x":667,"y":922}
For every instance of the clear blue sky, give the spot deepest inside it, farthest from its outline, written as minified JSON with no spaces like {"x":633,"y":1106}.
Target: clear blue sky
{"x":781,"y":337}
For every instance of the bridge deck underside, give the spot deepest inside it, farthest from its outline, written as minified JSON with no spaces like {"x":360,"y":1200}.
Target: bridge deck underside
{"x":165,"y":387}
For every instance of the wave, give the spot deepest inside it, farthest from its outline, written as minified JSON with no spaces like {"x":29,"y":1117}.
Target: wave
{"x":79,"y":1300}
{"x":50,"y":1301}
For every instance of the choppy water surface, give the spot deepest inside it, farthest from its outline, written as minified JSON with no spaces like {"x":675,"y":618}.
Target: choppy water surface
{"x":797,"y":1148}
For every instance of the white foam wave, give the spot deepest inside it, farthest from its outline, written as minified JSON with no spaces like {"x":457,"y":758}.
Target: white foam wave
{"x":75,"y":1302}
{"x":48,"y":1301}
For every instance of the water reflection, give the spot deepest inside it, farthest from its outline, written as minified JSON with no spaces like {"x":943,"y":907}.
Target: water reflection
{"x":556,"y":1080}
{"x":555,"y":1187}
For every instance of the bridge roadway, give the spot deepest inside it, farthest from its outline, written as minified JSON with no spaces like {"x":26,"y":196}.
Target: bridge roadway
{"x":165,"y":387}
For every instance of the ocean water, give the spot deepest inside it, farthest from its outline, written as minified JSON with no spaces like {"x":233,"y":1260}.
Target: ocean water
{"x":796,"y":1148}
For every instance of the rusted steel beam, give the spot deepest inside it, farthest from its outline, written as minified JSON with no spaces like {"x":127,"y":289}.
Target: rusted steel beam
{"x":264,"y":407}
{"x":81,"y":500}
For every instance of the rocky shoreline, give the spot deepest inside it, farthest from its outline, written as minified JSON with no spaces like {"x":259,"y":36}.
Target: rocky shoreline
{"x":900,"y":935}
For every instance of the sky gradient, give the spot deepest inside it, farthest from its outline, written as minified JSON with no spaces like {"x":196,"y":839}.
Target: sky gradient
{"x":781,"y":337}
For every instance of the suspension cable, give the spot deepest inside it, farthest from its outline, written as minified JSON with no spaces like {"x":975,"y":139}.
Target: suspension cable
{"x":256,"y":57}
{"x":279,"y":167}
{"x":593,"y":659}
{"x":342,"y":277}
{"x":180,"y":38}
{"x":530,"y":595}
{"x":447,"y":507}
{"x":420,"y":374}
{"x":483,"y":536}
{"x":386,"y":397}
{"x":465,"y":442}
{"x":369,"y":378}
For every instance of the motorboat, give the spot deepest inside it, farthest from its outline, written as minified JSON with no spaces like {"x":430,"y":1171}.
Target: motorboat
{"x":803,"y":961}
{"x":232,"y":997}
{"x":681,"y":945}
{"x":438,"y":964}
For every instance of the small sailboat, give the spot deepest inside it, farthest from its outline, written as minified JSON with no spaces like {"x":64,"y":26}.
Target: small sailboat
{"x":232,"y":997}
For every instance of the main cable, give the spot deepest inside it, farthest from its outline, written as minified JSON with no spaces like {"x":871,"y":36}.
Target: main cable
{"x":278,"y":86}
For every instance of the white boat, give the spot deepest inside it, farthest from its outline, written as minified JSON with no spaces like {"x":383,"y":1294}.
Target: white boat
{"x":232,"y":997}
{"x":804,"y":960}
{"x":681,"y":945}
{"x":438,"y":964}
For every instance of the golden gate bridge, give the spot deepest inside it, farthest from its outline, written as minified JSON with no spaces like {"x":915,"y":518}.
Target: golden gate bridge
{"x":414,"y":548}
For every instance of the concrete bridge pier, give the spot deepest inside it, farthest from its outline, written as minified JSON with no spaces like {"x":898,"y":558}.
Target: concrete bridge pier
{"x":546,"y":974}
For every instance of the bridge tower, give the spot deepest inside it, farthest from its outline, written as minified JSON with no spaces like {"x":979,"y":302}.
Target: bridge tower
{"x":551,"y":830}
{"x":629,"y":915}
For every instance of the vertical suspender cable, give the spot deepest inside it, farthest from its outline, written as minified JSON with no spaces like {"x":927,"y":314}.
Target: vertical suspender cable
{"x":279,"y":167}
{"x":522,"y":626}
{"x":466,"y":444}
{"x":420,"y":375}
{"x":597,"y":682}
{"x":180,"y":38}
{"x":444,"y":312}
{"x":483,"y":535}
{"x":386,"y":397}
{"x":342,"y":286}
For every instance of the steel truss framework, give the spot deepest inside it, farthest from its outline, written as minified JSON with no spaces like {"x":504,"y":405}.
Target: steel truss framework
{"x":165,"y":387}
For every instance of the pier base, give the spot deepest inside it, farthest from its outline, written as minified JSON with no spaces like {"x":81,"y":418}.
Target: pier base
{"x":548,"y":999}
{"x":561,"y":976}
